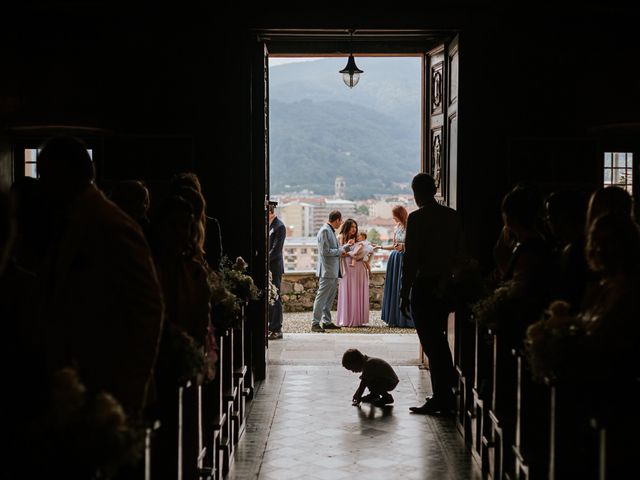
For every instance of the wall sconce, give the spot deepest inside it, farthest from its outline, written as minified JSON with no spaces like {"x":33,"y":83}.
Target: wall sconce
{"x":351,"y":73}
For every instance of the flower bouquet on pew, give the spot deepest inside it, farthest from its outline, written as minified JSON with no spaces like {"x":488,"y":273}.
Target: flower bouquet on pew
{"x":508,"y":310}
{"x":499,"y":307}
{"x":231,"y":289}
{"x":84,"y":434}
{"x":235,"y":278}
{"x":549,"y":341}
{"x":181,"y":359}
{"x":225,"y":307}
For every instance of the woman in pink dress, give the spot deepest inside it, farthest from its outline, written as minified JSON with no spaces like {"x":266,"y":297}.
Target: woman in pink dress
{"x":353,"y":287}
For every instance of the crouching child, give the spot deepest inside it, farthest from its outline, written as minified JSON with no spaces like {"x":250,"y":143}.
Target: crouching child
{"x":377,"y":376}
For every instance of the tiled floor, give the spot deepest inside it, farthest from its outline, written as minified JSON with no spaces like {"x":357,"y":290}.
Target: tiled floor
{"x":302,"y":424}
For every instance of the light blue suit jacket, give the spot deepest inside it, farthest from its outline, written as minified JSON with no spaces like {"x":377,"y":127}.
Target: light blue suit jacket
{"x":329,"y":253}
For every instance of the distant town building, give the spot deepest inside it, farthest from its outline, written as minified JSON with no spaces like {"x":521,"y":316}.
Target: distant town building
{"x":382,"y":207}
{"x":300,"y":254}
{"x":298,"y":218}
{"x":321,"y":213}
{"x":340,"y":187}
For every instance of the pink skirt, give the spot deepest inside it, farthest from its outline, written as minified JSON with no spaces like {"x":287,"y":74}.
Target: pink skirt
{"x":353,"y":294}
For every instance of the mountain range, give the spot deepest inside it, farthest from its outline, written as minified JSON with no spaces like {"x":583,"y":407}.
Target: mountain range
{"x":319,"y":128}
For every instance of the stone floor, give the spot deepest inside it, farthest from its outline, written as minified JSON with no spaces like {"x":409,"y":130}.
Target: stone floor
{"x":302,"y":424}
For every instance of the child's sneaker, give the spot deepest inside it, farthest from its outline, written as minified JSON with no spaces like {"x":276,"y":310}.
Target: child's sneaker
{"x":371,"y":398}
{"x":385,"y":399}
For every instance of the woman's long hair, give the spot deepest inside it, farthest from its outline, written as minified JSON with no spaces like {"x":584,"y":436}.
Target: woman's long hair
{"x":197,"y":202}
{"x":613,"y":244}
{"x":346,"y":227}
{"x":401,"y":214}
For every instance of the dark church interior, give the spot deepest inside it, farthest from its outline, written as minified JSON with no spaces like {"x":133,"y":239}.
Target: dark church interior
{"x":525,"y":107}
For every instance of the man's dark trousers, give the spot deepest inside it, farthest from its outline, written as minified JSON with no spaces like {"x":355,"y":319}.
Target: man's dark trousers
{"x":430,"y":315}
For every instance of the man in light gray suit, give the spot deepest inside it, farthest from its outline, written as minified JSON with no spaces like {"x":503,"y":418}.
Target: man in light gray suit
{"x":329,"y":252}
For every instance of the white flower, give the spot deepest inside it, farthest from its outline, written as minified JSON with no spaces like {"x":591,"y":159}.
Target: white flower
{"x":273,"y":291}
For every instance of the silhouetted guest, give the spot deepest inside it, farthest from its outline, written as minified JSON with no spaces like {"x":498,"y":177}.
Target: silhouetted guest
{"x":608,"y":199}
{"x":197,"y":238}
{"x":531,"y":264}
{"x":377,"y":376}
{"x":277,"y":234}
{"x":102,"y":305}
{"x":132,"y":196}
{"x":603,"y":362}
{"x":183,"y":278}
{"x":433,"y":244}
{"x":530,"y":261}
{"x":565,"y":215}
{"x":212,"y":234}
{"x":612,"y":312}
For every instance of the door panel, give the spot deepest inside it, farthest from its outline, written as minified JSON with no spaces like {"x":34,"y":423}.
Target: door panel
{"x":259,"y":194}
{"x":452,"y":124}
{"x":435,"y":107}
{"x":452,"y":161}
{"x":442,"y":67}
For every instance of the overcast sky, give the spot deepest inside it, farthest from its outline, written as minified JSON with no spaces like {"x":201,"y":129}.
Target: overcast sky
{"x":282,"y":60}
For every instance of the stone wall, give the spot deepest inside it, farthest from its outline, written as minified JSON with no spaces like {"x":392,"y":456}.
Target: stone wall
{"x":298,"y":291}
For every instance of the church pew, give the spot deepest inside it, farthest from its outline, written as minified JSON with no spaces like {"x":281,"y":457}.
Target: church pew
{"x":239,"y":376}
{"x":501,"y":416}
{"x":573,"y":443}
{"x":464,"y":362}
{"x":229,"y":392}
{"x":214,"y":416}
{"x":150,"y":435}
{"x":532,"y":428}
{"x":480,"y":401}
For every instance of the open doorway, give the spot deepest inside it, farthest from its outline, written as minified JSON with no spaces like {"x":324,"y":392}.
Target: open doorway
{"x":435,"y":56}
{"x":335,"y":148}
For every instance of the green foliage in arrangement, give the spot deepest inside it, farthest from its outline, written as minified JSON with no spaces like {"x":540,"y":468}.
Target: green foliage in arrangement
{"x":231,"y":288}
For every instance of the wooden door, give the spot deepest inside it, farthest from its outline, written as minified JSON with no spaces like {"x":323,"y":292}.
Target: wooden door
{"x":441,"y":105}
{"x":257,"y":331}
{"x":435,"y":115}
{"x":451,"y":97}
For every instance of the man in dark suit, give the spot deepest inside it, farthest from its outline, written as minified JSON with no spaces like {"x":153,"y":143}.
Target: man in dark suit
{"x":277,"y":234}
{"x":432,"y":246}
